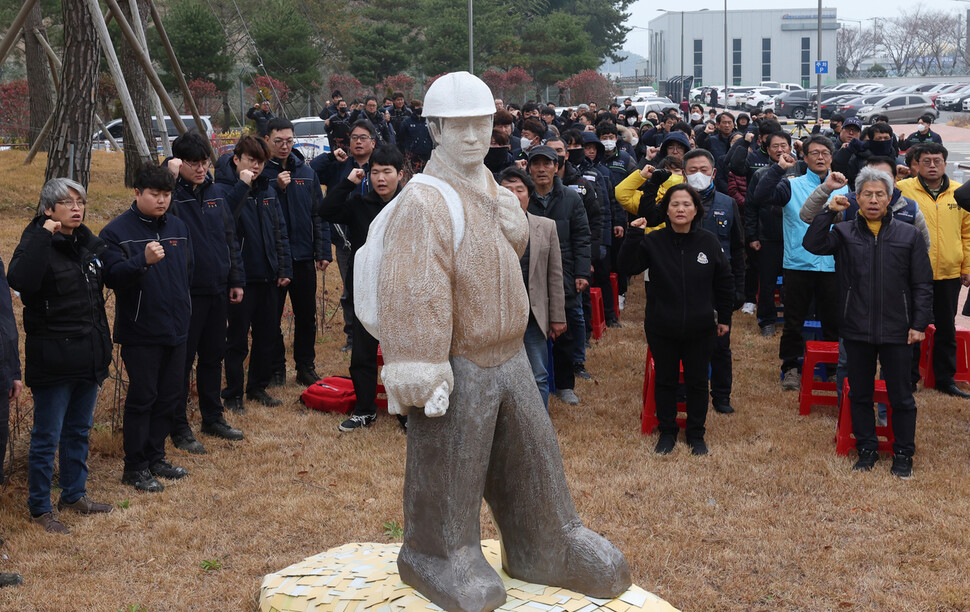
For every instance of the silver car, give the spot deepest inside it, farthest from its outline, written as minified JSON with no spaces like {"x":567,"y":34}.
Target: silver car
{"x":899,"y":108}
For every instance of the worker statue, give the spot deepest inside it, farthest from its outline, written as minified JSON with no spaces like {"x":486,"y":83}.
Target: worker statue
{"x":452,"y":311}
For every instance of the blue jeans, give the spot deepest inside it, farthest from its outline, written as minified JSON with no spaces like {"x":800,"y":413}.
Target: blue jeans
{"x":538,"y":353}
{"x":63,"y":415}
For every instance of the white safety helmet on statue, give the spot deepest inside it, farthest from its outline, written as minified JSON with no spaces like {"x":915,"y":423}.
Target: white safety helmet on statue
{"x":459,"y":94}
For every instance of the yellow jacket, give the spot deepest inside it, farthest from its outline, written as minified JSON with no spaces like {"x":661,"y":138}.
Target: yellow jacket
{"x":628,"y":191}
{"x":948,"y":224}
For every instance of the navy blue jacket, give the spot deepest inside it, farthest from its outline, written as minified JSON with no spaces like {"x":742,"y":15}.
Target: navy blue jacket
{"x":309,"y":235}
{"x":260,"y":227}
{"x":60,"y":280}
{"x":153,"y":302}
{"x":9,"y":347}
{"x":414,"y":137}
{"x":217,"y":262}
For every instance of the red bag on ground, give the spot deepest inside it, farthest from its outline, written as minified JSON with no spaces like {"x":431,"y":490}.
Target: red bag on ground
{"x":332,"y":394}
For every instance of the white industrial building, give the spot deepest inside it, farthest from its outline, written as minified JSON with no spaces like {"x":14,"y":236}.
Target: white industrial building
{"x":762,"y":45}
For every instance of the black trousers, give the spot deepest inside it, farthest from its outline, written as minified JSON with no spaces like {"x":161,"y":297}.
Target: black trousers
{"x":622,"y":280}
{"x":4,"y":430}
{"x":601,"y":280}
{"x":801,"y":288}
{"x":207,"y":339}
{"x":668,"y":353}
{"x":895,"y":361}
{"x":946,"y":294}
{"x":722,"y":371}
{"x":259,"y":313}
{"x":303,"y":299}
{"x":363,"y":370}
{"x":563,"y":353}
{"x":345,"y":263}
{"x":769,"y":258}
{"x":155,"y":376}
{"x":750,"y":274}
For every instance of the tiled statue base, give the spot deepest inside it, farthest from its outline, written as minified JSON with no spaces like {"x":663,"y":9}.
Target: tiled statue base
{"x":363,"y":576}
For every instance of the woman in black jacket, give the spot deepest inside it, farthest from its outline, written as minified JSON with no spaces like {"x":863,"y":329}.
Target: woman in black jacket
{"x":688,"y":301}
{"x":68,"y":346}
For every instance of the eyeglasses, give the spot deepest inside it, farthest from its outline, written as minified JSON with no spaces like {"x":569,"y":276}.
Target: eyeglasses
{"x":818,"y":153}
{"x":72,"y":203}
{"x":360,"y":138}
{"x":933,"y":161}
{"x":197,"y":165}
{"x":280,"y":141}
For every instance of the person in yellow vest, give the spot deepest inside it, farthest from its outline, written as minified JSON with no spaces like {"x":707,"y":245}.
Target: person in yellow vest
{"x":949,"y":227}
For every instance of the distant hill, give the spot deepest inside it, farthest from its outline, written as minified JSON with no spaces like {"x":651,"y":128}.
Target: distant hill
{"x":627,"y":67}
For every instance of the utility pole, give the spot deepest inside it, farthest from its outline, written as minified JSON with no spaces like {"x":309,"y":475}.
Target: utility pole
{"x":818,"y":74}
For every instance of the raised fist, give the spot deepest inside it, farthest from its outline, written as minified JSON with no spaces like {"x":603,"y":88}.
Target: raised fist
{"x":154,"y":252}
{"x":52,"y":226}
{"x":246,"y":176}
{"x":356,"y":176}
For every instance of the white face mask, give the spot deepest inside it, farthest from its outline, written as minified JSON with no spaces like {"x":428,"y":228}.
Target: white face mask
{"x":699,"y":181}
{"x":525,"y":143}
{"x":695,"y":116}
{"x":609,"y":145}
{"x":635,"y":141}
{"x":923,"y":127}
{"x":631,"y":121}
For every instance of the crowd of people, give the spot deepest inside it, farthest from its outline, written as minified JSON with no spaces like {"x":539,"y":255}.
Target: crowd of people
{"x":869,"y":234}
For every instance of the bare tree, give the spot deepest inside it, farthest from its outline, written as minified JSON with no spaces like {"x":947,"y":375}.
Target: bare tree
{"x":74,"y":112}
{"x":139,"y":88}
{"x":853,"y":46}
{"x":936,"y":33}
{"x":39,"y":85}
{"x":899,"y":40}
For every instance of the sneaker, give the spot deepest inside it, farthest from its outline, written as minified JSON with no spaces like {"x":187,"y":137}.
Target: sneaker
{"x":10,"y":580}
{"x":867,"y":459}
{"x":188,"y":443}
{"x":748,"y":308}
{"x":307,"y":375}
{"x":613,"y":323}
{"x":791,"y":381}
{"x":768,"y":330}
{"x":357,"y":421}
{"x":84,"y":506}
{"x":221,"y":429}
{"x":579,"y":369}
{"x":166,"y":470}
{"x":142,"y":480}
{"x":882,"y":421}
{"x":278,"y":379}
{"x":697,"y":447}
{"x":568,"y":396}
{"x":622,"y":301}
{"x":347,"y":347}
{"x":234,"y":404}
{"x":264,"y":398}
{"x":902,"y":467}
{"x":50,"y":523}
{"x":723,"y":406}
{"x":665,"y":444}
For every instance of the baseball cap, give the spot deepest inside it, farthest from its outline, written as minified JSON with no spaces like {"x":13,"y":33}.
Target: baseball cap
{"x":854,"y":121}
{"x":543,"y":151}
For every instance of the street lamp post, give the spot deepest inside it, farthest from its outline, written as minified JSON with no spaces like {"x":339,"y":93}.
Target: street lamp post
{"x":726,"y":87}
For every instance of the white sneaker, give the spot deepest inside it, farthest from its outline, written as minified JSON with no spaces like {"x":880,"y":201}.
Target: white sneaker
{"x":622,"y":300}
{"x":748,"y":308}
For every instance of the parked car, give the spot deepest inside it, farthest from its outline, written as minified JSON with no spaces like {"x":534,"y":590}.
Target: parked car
{"x":310,"y":137}
{"x":116,"y":128}
{"x":654,"y":104}
{"x":834,"y":105}
{"x":952,"y":101}
{"x":852,"y":106}
{"x":761,"y":96}
{"x":900,"y":108}
{"x":794,"y":104}
{"x":736,"y":97}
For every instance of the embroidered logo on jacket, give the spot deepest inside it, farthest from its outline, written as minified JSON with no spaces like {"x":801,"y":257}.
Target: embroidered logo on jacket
{"x":701,"y":258}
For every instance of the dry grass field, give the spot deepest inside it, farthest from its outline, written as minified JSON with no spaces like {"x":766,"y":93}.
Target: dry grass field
{"x":772,"y":519}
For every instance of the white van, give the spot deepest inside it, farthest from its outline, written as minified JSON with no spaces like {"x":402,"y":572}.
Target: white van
{"x":116,"y":129}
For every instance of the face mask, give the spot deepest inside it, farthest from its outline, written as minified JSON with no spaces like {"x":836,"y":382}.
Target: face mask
{"x":631,"y":121}
{"x":882,"y":148}
{"x":695,"y":116}
{"x":609,"y":145}
{"x":525,"y":143}
{"x":561,"y":159}
{"x":635,"y":141}
{"x":576,"y":156}
{"x":923,"y":127}
{"x":699,"y":181}
{"x":417,"y":112}
{"x":496,"y":157}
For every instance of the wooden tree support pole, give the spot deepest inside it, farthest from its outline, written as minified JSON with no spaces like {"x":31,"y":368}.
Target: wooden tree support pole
{"x":39,"y":141}
{"x":183,"y":86}
{"x":13,"y":32}
{"x":156,"y":101}
{"x":115,"y":67}
{"x":55,"y":63}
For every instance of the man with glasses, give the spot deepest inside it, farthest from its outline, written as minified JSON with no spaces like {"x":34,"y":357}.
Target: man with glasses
{"x":332,"y":169}
{"x":217,"y":281}
{"x":808,"y":277}
{"x":298,"y":192}
{"x":949,"y":227}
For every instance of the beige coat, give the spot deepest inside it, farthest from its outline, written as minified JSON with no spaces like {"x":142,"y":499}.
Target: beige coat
{"x":546,"y":295}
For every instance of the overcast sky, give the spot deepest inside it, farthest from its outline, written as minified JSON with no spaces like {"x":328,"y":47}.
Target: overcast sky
{"x":642,"y":11}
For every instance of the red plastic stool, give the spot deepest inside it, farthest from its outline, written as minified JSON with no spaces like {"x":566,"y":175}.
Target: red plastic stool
{"x":616,"y":294}
{"x":844,"y":439}
{"x":381,"y":399}
{"x":926,"y":358}
{"x":963,"y":355}
{"x":648,"y":416}
{"x":816,"y":353}
{"x":599,"y":318}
